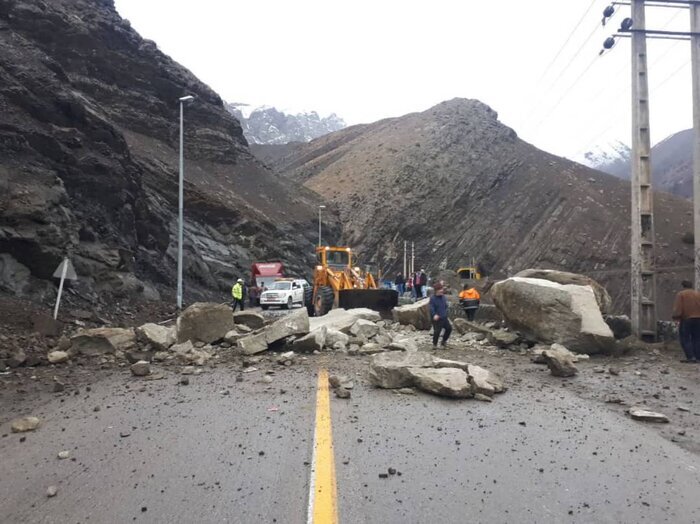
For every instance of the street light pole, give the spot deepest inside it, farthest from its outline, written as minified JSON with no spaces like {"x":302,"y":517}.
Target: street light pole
{"x":319,"y":223}
{"x":181,"y":201}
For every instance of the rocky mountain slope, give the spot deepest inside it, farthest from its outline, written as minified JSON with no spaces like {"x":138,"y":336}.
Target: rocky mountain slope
{"x":268,"y":125}
{"x":89,"y":123}
{"x":671,"y":163}
{"x":461,"y":185}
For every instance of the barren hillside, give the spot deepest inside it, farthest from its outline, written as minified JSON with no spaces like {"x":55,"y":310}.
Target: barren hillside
{"x":461,"y":185}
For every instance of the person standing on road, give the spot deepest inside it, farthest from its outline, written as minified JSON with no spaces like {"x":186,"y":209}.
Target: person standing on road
{"x":686,"y":311}
{"x":423,"y":278}
{"x":237,"y":293}
{"x":253,"y":295}
{"x":418,"y":285}
{"x":469,"y":298}
{"x":400,"y":284}
{"x":438,"y":314}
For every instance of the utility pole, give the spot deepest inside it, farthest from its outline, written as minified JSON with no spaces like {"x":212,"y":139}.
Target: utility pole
{"x":643,"y":277}
{"x":413,"y":257}
{"x":405,"y":274}
{"x":695,"y":73}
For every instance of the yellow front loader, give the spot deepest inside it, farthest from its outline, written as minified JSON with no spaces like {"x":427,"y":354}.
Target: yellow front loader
{"x":338,"y":284}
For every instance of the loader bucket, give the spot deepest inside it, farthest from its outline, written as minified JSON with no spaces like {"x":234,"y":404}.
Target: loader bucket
{"x":382,"y":300}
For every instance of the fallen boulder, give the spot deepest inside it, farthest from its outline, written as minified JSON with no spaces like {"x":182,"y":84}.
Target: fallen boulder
{"x":445,"y":382}
{"x":416,"y":314}
{"x":549,"y":312}
{"x":16,"y":359}
{"x":250,"y":319}
{"x":205,"y":322}
{"x":333,"y":336}
{"x":539,"y":358}
{"x":562,"y":277}
{"x":364,"y":329}
{"x":451,"y":378}
{"x":314,"y":341}
{"x":484,"y":382}
{"x":343,"y":319}
{"x":187,"y":353}
{"x":159,"y":337}
{"x":559,"y":363}
{"x":100,"y":341}
{"x":252,"y":344}
{"x":296,"y":323}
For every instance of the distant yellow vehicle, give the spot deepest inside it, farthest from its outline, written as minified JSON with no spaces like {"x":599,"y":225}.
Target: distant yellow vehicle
{"x":469,"y":273}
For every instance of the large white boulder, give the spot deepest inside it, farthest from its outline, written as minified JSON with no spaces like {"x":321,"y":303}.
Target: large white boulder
{"x":416,"y":314}
{"x":549,"y":312}
{"x":563,"y":277}
{"x":343,"y":319}
{"x":205,"y":322}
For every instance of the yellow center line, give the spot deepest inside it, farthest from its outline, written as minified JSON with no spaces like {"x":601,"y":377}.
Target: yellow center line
{"x":323,"y":507}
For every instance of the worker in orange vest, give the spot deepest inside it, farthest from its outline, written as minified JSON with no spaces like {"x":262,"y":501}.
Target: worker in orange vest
{"x":469,"y":298}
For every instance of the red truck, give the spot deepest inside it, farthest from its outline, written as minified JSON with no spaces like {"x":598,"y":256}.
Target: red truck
{"x":264,"y":273}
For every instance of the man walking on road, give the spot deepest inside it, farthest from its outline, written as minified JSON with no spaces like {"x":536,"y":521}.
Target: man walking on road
{"x":400,"y":283}
{"x":686,"y":311}
{"x":237,"y":293}
{"x":438,"y":313}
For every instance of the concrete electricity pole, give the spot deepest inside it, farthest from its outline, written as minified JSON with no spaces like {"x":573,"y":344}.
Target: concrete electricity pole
{"x":643,"y":277}
{"x":695,"y":73}
{"x":404,"y":258}
{"x":319,"y":223}
{"x":181,"y":200}
{"x":413,"y":257}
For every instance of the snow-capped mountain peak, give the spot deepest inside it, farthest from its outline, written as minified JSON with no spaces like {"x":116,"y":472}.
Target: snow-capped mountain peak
{"x":269,"y":125}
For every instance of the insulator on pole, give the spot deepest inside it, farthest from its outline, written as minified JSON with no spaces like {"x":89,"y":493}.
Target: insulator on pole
{"x":608,"y":12}
{"x":626,"y":24}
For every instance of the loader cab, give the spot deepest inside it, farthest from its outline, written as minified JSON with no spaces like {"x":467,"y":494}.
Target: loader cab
{"x":336,"y":258}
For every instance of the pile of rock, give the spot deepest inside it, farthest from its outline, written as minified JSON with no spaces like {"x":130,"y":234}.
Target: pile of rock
{"x":354,"y":331}
{"x":424,"y":371}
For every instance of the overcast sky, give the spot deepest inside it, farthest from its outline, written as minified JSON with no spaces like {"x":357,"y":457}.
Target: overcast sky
{"x":366,"y":60}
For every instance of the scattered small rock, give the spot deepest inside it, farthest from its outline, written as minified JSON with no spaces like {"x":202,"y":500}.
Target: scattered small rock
{"x":51,"y":491}
{"x":638,"y":413}
{"x":57,"y":357}
{"x":58,"y":386}
{"x":63,"y":455}
{"x":342,"y":392}
{"x":141,"y":368}
{"x":22,"y":425}
{"x":184,"y":381}
{"x":613,"y":370}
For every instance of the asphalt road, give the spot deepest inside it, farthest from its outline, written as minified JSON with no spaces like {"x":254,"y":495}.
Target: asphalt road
{"x":220,"y":450}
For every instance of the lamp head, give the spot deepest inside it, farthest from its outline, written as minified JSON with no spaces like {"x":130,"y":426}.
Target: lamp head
{"x":187,"y":98}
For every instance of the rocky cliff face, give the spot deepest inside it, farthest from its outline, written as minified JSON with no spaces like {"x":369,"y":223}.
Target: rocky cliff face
{"x":462,"y":185}
{"x":268,"y":125}
{"x":89,"y":161}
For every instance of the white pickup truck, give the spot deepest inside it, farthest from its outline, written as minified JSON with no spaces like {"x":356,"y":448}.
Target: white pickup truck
{"x":285,"y":293}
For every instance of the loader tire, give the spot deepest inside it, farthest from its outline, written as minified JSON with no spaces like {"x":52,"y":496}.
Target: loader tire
{"x":309,"y":300}
{"x":324,"y":301}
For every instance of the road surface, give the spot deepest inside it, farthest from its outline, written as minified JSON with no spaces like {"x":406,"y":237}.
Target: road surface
{"x":230,"y":447}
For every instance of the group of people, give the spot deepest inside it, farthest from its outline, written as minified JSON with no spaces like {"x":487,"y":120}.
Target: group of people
{"x":416,"y":284}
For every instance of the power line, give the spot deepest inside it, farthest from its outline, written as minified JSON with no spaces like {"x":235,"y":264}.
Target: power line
{"x":566,"y":42}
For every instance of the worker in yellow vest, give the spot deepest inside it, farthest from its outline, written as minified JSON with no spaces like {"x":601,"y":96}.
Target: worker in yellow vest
{"x":237,"y":293}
